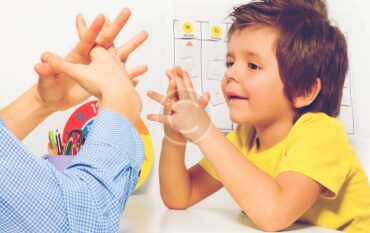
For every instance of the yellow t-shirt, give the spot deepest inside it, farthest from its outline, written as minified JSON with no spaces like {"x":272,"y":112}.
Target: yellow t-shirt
{"x":317,"y":147}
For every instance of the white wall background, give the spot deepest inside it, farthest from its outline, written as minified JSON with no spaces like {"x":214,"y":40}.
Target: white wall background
{"x":28,"y":28}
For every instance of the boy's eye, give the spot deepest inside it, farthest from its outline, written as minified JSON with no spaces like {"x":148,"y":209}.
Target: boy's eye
{"x":253,"y":66}
{"x":229,"y":64}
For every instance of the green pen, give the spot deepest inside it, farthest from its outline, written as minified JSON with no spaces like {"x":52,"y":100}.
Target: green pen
{"x":52,"y":139}
{"x":69,"y":146}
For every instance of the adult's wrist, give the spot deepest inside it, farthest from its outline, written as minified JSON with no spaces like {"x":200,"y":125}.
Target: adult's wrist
{"x":39,"y":104}
{"x":126,"y":103}
{"x":25,"y":113}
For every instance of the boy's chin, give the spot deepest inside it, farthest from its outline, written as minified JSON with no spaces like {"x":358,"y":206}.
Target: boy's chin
{"x":237,"y":119}
{"x":240,"y":119}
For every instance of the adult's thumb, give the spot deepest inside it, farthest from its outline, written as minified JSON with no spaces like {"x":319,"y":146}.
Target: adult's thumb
{"x":62,"y":66}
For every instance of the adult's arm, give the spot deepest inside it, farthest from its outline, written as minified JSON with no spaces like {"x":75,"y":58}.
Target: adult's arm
{"x":25,"y":113}
{"x":89,"y":196}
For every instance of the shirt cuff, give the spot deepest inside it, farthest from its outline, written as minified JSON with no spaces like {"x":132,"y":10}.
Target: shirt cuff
{"x":112,"y":141}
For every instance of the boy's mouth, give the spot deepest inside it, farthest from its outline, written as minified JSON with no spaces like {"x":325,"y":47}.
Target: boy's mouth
{"x":234,"y":96}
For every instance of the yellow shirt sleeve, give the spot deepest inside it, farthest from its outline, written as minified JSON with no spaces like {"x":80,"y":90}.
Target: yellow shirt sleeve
{"x":318,"y":148}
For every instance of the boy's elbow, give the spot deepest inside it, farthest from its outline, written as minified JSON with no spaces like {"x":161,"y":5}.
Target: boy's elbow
{"x":272,"y":226}
{"x":174,"y":204}
{"x":271,"y":221}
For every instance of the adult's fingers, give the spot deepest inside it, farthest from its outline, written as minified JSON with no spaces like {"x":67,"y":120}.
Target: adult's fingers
{"x":105,"y":26}
{"x":75,"y":71}
{"x":44,"y":70}
{"x":99,"y":52}
{"x":137,"y":71}
{"x":81,"y":26}
{"x":125,"y":50}
{"x":106,"y":39}
{"x":88,"y":39}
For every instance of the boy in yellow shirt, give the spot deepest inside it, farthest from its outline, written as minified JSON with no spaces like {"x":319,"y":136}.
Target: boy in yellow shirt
{"x":289,"y":159}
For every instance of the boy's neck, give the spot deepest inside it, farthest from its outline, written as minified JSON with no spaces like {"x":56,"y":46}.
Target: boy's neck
{"x":269,"y":136}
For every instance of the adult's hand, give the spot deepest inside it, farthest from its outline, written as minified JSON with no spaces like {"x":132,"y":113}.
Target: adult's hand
{"x":59,"y":92}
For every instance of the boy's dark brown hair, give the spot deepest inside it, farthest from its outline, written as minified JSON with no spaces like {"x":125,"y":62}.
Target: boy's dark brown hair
{"x":307,"y":47}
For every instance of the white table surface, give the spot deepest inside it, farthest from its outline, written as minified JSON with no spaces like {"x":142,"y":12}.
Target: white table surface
{"x":145,"y":214}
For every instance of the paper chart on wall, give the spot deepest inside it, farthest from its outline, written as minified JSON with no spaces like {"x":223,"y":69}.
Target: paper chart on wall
{"x":347,"y":111}
{"x":200,"y":48}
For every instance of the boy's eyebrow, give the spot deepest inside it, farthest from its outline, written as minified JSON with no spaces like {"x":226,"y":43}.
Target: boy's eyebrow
{"x":251,"y":54}
{"x":229,"y":54}
{"x":246,"y":53}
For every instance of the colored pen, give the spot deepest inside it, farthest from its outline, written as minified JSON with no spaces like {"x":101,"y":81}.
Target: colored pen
{"x":69,"y":146}
{"x":52,"y":139}
{"x":59,"y":143}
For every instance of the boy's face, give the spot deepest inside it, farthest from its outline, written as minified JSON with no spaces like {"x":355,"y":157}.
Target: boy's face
{"x":252,"y":86}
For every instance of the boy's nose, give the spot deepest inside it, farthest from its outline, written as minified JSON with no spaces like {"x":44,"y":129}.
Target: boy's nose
{"x":231,"y":74}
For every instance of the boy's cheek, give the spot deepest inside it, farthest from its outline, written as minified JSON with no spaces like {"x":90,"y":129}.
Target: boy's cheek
{"x":223,"y":86}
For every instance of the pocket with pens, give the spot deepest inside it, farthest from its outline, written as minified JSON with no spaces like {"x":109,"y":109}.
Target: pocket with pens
{"x":61,"y":154}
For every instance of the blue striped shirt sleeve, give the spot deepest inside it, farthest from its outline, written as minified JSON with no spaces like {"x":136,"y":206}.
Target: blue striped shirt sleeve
{"x":89,"y":196}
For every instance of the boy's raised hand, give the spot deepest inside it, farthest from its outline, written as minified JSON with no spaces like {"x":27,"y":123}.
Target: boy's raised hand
{"x":184,"y":113}
{"x":105,"y":78}
{"x":59,"y":92}
{"x":171,"y":135}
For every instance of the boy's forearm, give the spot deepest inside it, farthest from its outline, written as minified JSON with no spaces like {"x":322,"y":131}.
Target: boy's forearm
{"x":174,"y":178}
{"x":25,"y":113}
{"x":252,"y":189}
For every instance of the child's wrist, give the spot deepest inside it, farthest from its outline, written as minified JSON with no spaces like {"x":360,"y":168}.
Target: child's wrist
{"x":203,"y":137}
{"x":173,"y":143}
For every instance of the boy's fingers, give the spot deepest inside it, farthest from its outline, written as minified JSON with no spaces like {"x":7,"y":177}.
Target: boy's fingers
{"x":172,"y":74}
{"x":171,"y":91}
{"x":204,"y":100}
{"x":163,"y":100}
{"x":88,"y":39}
{"x":137,"y":71}
{"x":107,"y":38}
{"x":134,"y":82}
{"x":189,"y":85}
{"x":181,"y":89}
{"x":125,"y":50}
{"x":177,"y":70}
{"x":165,"y":119}
{"x":81,"y":26}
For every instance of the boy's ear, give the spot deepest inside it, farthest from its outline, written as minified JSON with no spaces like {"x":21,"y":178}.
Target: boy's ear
{"x":307,"y":98}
